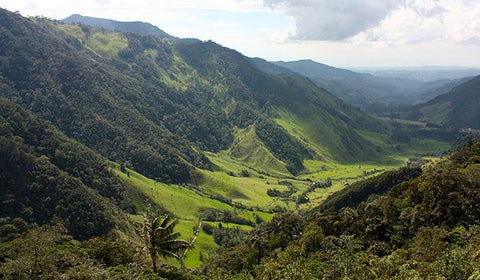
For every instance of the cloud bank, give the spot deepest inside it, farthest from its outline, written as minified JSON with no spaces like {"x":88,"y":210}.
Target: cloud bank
{"x":333,"y":19}
{"x":388,"y":22}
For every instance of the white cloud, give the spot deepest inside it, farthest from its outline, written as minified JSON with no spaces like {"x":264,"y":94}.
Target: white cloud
{"x":427,"y":21}
{"x":333,"y":19}
{"x":386,"y":23}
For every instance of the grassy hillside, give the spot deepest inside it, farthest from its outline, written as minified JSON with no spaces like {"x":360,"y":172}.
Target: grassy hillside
{"x":457,"y":108}
{"x":247,"y":147}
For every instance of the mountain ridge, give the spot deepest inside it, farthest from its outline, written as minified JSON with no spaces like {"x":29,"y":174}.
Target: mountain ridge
{"x":363,"y":89}
{"x":137,"y":27}
{"x":456,"y":108}
{"x":118,"y":91}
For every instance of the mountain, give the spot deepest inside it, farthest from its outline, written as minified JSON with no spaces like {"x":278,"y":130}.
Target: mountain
{"x":360,"y":89}
{"x":271,"y":68}
{"x":137,"y":27}
{"x":439,"y":87}
{"x":457,"y":108}
{"x":155,"y":104}
{"x":96,"y":126}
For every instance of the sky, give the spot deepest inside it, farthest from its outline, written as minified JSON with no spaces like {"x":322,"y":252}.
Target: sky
{"x":342,"y":33}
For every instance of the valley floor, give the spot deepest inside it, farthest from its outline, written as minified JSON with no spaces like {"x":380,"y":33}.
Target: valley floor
{"x":237,"y":187}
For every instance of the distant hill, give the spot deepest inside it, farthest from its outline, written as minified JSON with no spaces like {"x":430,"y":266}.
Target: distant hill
{"x":271,"y":68}
{"x":424,"y":74}
{"x":136,"y":27}
{"x":360,"y":89}
{"x":457,"y":108}
{"x":430,"y":90}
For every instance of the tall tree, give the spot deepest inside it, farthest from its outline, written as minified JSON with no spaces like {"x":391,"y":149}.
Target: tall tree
{"x":160,"y":238}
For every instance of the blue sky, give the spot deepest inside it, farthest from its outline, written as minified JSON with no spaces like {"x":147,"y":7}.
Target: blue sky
{"x":343,"y":33}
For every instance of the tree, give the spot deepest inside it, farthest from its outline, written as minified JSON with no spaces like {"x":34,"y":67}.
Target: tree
{"x":34,"y":255}
{"x":160,"y":238}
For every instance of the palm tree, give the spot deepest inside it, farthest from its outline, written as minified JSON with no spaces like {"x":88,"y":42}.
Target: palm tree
{"x":160,"y":238}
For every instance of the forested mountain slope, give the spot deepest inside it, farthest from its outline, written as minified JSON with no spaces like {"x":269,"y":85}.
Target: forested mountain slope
{"x":46,"y":177}
{"x":155,"y":104}
{"x":137,"y":27}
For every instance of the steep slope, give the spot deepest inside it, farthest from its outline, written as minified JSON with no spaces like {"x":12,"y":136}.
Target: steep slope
{"x":155,"y":104}
{"x":457,"y":108}
{"x":137,"y":27}
{"x":60,"y":80}
{"x":332,"y":120}
{"x":45,"y":176}
{"x":248,"y":148}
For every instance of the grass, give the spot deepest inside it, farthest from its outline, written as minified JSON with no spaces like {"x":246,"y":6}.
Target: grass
{"x":401,"y":121}
{"x":404,"y":150}
{"x":183,"y":203}
{"x":104,"y":44}
{"x":249,"y":155}
{"x":248,"y":148}
{"x":107,"y":44}
{"x":253,"y":189}
{"x":310,"y":132}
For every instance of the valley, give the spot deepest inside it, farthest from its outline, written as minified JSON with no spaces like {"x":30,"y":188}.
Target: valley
{"x":241,"y":186}
{"x":268,"y":170}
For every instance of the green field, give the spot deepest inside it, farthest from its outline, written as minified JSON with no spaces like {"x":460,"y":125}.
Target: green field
{"x":245,"y":172}
{"x":184,"y":204}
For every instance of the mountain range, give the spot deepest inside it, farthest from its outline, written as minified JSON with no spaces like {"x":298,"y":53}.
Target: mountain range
{"x":364,"y":89}
{"x":77,"y":100}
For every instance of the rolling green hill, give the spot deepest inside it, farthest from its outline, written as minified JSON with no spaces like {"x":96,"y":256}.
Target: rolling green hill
{"x":457,"y":108}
